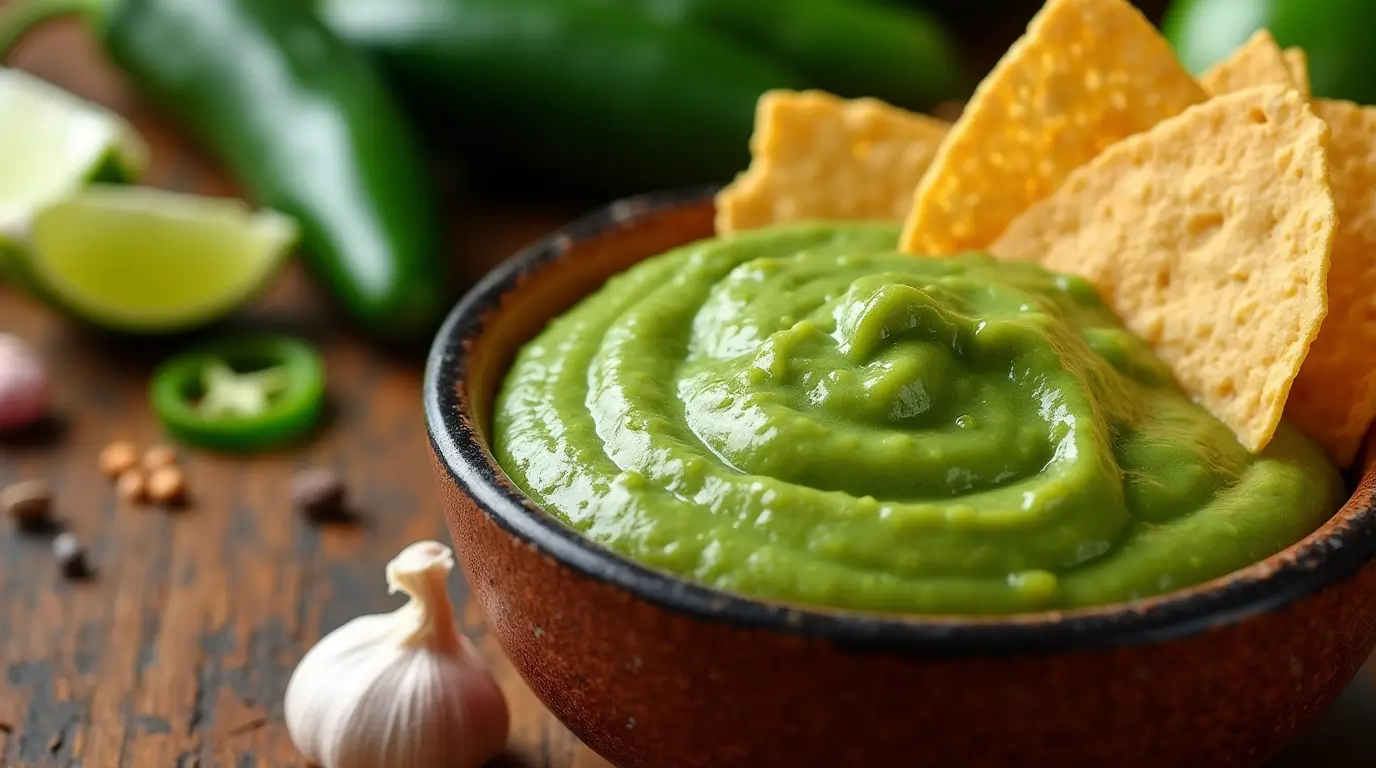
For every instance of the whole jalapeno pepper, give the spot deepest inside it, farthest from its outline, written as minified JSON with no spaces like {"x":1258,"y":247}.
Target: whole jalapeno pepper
{"x":893,"y":53}
{"x":1335,"y":36}
{"x":572,"y":94}
{"x":303,"y":122}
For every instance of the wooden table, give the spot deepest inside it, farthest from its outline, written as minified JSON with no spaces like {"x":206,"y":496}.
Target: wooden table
{"x":178,"y":652}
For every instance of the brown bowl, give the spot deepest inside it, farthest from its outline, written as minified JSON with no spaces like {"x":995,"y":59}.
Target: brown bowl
{"x":650,"y":670}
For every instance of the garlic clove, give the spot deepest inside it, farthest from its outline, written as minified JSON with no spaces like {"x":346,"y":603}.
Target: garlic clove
{"x":324,"y":688}
{"x":403,"y":689}
{"x":24,"y":385}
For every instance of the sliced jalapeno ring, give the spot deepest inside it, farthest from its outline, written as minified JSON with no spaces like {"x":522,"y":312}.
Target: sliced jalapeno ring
{"x":241,"y":394}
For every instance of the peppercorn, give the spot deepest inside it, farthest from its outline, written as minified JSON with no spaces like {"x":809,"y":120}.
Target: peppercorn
{"x":71,"y":556}
{"x":319,"y":494}
{"x":28,"y":503}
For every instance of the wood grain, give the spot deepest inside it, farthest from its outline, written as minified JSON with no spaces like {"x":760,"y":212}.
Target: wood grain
{"x":178,"y":652}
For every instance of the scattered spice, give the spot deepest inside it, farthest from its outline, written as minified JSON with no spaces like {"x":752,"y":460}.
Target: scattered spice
{"x":159,"y":456}
{"x":319,"y":494}
{"x":71,"y":556}
{"x":155,"y":476}
{"x":131,"y":486}
{"x":24,"y":384}
{"x":29,"y":503}
{"x":117,"y":458}
{"x":166,"y":485}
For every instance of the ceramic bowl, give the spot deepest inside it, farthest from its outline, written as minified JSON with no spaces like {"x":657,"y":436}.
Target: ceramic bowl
{"x":650,"y":670}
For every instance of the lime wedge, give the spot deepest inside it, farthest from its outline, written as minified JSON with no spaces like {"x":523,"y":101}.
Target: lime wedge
{"x":146,"y":260}
{"x":52,"y":142}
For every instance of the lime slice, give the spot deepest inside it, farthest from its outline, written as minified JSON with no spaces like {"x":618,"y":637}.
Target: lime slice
{"x":52,"y":142}
{"x":147,"y":260}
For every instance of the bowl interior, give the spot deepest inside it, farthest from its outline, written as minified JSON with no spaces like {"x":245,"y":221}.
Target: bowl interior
{"x":514,"y":302}
{"x":555,"y":273}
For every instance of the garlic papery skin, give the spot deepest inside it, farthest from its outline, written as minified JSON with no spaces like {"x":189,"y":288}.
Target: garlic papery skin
{"x":402,"y":689}
{"x":25,"y":388}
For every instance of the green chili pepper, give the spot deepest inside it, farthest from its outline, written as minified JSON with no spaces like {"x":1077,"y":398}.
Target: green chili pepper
{"x":850,"y":48}
{"x":1335,"y":35}
{"x":571,"y":93}
{"x":304,"y":123}
{"x":242,"y":394}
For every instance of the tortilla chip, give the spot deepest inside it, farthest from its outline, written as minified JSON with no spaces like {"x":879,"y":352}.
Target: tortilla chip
{"x":1258,"y":61}
{"x":818,"y":156}
{"x":1297,"y":61}
{"x":1334,"y":398}
{"x":1210,"y":237}
{"x":1086,"y":74}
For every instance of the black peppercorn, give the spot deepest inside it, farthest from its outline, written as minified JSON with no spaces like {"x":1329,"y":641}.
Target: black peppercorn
{"x":319,"y":494}
{"x":71,"y":556}
{"x":29,"y":503}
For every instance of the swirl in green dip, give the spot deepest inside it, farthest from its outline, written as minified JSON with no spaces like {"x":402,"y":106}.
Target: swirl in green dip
{"x":804,"y":414}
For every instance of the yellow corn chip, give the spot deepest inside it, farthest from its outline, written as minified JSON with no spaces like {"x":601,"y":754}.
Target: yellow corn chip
{"x":817,"y":156}
{"x":1258,"y":61}
{"x":1334,"y":398}
{"x":1210,"y":236}
{"x":1297,"y":61}
{"x":1086,"y":74}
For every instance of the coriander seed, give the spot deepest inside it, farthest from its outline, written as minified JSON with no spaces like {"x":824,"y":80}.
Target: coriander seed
{"x":166,"y":485}
{"x":159,"y":456}
{"x":131,"y":486}
{"x":117,"y":458}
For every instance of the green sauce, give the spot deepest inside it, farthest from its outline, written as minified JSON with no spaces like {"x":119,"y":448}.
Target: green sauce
{"x":804,"y":414}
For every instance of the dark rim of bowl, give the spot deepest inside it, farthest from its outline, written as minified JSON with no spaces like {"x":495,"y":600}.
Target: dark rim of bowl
{"x":1303,"y":569}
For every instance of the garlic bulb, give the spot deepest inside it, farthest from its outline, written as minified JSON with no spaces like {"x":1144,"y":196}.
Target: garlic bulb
{"x":402,"y":689}
{"x":24,"y":384}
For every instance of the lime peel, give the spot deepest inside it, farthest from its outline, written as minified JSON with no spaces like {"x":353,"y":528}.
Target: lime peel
{"x":145,"y":260}
{"x":53,"y":143}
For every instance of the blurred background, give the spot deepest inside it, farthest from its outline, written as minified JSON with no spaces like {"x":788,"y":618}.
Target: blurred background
{"x":648,"y":94}
{"x":599,"y":98}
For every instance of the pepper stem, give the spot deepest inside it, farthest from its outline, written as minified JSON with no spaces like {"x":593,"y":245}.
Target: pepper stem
{"x":420,"y":571}
{"x":20,"y":16}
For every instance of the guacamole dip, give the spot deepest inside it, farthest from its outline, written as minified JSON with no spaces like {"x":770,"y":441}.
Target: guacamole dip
{"x":804,"y":414}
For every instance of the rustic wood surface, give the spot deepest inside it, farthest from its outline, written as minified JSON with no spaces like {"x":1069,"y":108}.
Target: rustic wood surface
{"x":178,"y":652}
